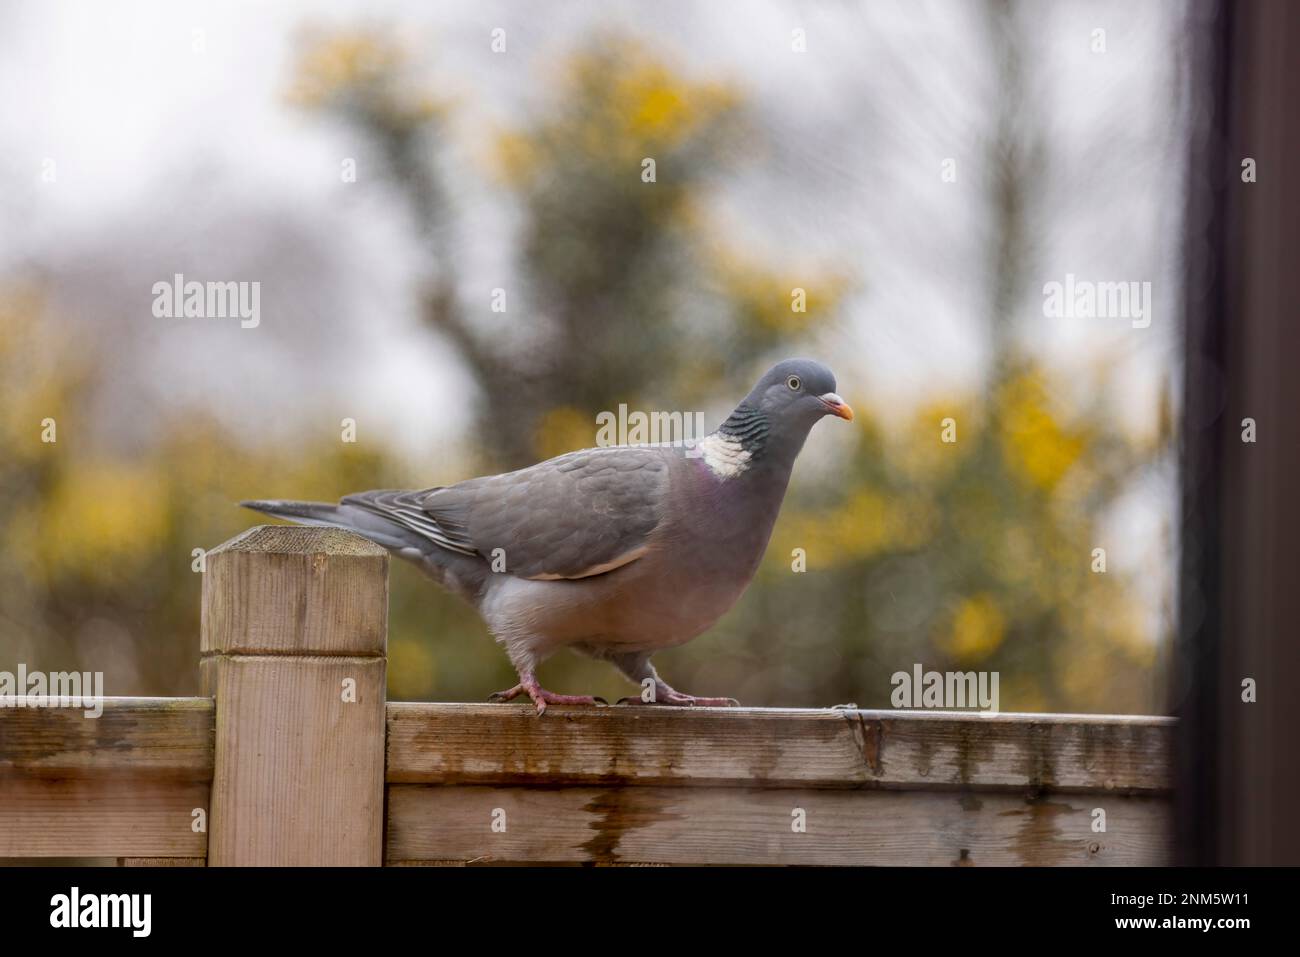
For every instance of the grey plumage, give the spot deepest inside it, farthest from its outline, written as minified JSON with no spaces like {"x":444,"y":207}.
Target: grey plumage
{"x":613,"y":552}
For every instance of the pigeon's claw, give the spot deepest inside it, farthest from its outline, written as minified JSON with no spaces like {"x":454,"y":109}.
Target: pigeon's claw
{"x":698,"y":702}
{"x":541,"y":697}
{"x":665,"y":694}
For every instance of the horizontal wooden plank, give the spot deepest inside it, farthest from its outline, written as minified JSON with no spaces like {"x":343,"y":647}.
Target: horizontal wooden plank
{"x":162,"y":862}
{"x":165,"y":738}
{"x":747,"y":826}
{"x":489,"y":744}
{"x":103,"y":817}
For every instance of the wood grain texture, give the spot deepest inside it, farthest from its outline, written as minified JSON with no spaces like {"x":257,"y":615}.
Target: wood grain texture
{"x":280,"y":589}
{"x":746,"y":826}
{"x":102,"y":817}
{"x":506,"y":744}
{"x":161,"y":862}
{"x":165,"y":738}
{"x":294,"y":635}
{"x":299,"y":772}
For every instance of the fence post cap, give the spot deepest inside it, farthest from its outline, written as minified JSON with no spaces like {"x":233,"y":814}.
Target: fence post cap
{"x":299,"y":540}
{"x":293,"y":590}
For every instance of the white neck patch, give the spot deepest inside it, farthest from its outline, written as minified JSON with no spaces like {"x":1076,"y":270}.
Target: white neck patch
{"x":725,"y":456}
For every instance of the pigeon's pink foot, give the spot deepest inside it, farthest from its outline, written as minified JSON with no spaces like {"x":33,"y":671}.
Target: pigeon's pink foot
{"x":541,"y":697}
{"x":665,"y":694}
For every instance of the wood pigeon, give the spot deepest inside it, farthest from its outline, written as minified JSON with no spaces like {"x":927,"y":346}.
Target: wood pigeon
{"x":614,"y":552}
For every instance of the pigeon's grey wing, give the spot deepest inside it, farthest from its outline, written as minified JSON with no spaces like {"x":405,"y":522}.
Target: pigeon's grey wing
{"x":405,"y":508}
{"x":582,"y":514}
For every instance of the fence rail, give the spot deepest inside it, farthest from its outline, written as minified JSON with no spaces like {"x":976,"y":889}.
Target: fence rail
{"x":298,"y":759}
{"x":124,"y":784}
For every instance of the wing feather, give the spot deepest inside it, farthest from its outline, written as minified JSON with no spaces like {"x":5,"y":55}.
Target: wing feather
{"x":582,"y":514}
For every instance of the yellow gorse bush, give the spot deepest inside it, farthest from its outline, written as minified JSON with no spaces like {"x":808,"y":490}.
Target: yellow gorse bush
{"x":366,"y":69}
{"x":102,"y":520}
{"x":633,"y":106}
{"x":977,"y":628}
{"x":1036,"y":445}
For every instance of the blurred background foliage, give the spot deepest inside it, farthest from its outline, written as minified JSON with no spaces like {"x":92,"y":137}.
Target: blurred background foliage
{"x":975,"y":554}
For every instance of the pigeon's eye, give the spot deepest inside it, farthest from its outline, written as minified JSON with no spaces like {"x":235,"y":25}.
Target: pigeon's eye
{"x":793,"y":382}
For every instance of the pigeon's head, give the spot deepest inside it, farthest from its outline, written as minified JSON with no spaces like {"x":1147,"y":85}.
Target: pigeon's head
{"x":775,"y":418}
{"x":796,"y":393}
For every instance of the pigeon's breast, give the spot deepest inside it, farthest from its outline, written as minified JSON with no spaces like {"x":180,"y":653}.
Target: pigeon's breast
{"x":655,"y":602}
{"x":696,"y":564}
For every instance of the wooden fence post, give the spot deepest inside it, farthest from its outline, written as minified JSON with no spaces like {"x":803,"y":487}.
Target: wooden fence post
{"x":293,"y":649}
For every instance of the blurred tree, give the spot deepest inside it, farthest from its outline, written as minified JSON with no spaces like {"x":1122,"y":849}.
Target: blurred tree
{"x":97,"y":544}
{"x":611,"y":263}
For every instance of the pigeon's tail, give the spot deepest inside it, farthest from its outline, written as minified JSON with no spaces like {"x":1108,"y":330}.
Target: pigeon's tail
{"x":367,"y":524}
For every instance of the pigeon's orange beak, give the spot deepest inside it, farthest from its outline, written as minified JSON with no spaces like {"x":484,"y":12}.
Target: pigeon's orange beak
{"x":837,"y":406}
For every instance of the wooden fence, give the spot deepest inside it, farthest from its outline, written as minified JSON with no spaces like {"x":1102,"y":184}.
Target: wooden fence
{"x":296,"y":758}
